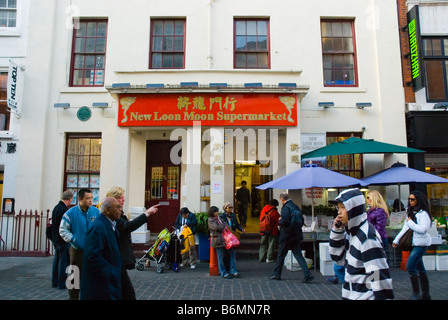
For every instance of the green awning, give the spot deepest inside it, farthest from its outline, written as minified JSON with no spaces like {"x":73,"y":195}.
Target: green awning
{"x":356,"y":145}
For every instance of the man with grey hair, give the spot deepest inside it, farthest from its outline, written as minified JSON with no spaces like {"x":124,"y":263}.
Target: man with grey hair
{"x":289,"y":239}
{"x":61,"y":248}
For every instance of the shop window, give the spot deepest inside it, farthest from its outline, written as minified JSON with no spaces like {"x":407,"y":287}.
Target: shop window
{"x":339,"y":53}
{"x":348,"y":164}
{"x":82,"y":164}
{"x":251,"y":44}
{"x":435,"y":55}
{"x":4,"y":113}
{"x":88,"y":53}
{"x":167,"y":44}
{"x":8,"y":13}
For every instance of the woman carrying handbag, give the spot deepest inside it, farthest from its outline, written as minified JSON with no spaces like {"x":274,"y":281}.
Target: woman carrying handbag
{"x":419,"y":221}
{"x":217,"y":227}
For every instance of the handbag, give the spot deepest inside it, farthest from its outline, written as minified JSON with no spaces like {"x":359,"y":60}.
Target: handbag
{"x":406,"y":240}
{"x":230,"y":239}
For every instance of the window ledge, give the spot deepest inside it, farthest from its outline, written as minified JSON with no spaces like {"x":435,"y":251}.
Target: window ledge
{"x":6,"y":135}
{"x":10,"y":32}
{"x":343,"y":90}
{"x":83,"y":90}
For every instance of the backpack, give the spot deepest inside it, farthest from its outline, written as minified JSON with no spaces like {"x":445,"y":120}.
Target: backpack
{"x":265,"y":223}
{"x":296,"y":218}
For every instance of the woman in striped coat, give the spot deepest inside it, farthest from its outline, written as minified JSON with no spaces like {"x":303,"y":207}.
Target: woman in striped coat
{"x":356,"y":244}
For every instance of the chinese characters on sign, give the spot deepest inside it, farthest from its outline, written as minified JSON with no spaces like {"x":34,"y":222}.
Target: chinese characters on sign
{"x":211,"y":109}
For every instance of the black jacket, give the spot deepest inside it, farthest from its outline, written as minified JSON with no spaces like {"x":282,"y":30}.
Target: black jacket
{"x":287,"y":233}
{"x":56,"y":217}
{"x":125,"y":227}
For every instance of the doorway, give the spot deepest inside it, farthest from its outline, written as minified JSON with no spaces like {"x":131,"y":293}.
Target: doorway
{"x":162,"y":184}
{"x":249,"y":171}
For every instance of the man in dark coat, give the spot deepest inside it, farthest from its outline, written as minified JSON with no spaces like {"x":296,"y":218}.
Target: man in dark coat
{"x":125,"y":228}
{"x":61,"y":248}
{"x":101,"y":271}
{"x":289,"y":239}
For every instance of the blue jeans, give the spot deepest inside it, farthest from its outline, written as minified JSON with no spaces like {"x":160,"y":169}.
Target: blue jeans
{"x":414,"y":266}
{"x":221,"y":265}
{"x":339,"y":271}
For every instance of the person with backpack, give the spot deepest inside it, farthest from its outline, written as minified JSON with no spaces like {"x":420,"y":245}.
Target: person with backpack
{"x":269,"y":217}
{"x":290,"y":223}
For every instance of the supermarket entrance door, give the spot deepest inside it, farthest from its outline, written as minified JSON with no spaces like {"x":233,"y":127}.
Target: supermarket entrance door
{"x":162,"y":185}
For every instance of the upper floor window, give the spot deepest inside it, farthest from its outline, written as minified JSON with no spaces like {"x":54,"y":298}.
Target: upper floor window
{"x":251,"y":44}
{"x":167,"y":44}
{"x":339,"y":53}
{"x":8,"y":13}
{"x":435,"y":55}
{"x":88,"y":53}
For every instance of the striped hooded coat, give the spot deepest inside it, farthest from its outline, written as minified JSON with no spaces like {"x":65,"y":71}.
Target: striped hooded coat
{"x":358,"y":247}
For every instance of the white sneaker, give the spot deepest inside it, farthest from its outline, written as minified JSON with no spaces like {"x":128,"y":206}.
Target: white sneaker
{"x":193,"y":266}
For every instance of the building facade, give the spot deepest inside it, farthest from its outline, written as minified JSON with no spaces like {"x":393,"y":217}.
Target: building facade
{"x":14,"y":17}
{"x":424,"y":39}
{"x":178,"y":102}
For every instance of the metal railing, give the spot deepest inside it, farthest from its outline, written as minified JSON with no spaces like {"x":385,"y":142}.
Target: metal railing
{"x":23,"y":233}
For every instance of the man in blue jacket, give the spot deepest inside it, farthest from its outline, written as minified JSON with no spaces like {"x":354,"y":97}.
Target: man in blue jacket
{"x":73,"y":229}
{"x":101,"y":272}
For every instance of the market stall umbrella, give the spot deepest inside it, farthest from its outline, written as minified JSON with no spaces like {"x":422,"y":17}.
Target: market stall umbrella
{"x":399,"y":174}
{"x":311,"y":176}
{"x":355,"y":145}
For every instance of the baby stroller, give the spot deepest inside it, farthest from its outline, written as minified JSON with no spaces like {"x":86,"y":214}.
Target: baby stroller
{"x":157,"y":252}
{"x":163,"y":252}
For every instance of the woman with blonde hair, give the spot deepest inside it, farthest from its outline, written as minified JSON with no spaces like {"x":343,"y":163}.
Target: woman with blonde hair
{"x":378,"y":214}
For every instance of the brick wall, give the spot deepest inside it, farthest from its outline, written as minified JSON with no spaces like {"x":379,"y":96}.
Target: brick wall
{"x":404,"y":44}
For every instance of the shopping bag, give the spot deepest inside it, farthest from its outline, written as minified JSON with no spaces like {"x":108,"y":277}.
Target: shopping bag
{"x":230,"y":239}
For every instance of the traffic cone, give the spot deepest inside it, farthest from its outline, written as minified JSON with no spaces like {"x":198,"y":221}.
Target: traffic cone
{"x":214,"y":270}
{"x":404,"y":260}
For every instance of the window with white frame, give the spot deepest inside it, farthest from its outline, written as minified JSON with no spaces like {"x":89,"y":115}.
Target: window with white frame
{"x":8,"y":13}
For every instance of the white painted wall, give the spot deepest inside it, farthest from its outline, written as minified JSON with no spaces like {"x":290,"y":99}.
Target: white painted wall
{"x":295,"y":57}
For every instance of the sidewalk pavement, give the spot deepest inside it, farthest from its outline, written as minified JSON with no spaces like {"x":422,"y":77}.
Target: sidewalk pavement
{"x":29,"y":278}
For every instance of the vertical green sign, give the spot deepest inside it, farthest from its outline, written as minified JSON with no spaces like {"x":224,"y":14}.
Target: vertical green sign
{"x":415,"y":53}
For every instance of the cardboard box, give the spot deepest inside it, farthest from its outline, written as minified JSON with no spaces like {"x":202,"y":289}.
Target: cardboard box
{"x":324,"y":251}
{"x":430,"y":262}
{"x":326,"y":267}
{"x":292,"y":264}
{"x":441,"y":262}
{"x":140,"y":237}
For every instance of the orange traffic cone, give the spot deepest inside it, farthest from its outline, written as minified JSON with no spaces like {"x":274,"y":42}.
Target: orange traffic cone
{"x":214,"y":270}
{"x":404,"y":259}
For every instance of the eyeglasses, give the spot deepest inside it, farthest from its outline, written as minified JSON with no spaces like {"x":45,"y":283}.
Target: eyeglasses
{"x":412,"y":199}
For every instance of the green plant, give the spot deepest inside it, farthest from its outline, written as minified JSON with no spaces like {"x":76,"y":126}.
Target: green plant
{"x":202,"y":218}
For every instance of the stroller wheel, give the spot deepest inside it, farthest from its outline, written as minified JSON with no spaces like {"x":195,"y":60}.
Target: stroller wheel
{"x":140,"y":266}
{"x":160,"y":269}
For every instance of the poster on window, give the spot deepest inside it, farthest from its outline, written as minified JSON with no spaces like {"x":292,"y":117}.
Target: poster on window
{"x":15,"y":87}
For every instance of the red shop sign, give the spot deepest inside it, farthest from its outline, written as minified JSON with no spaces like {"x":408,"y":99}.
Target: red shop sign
{"x":212,"y":109}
